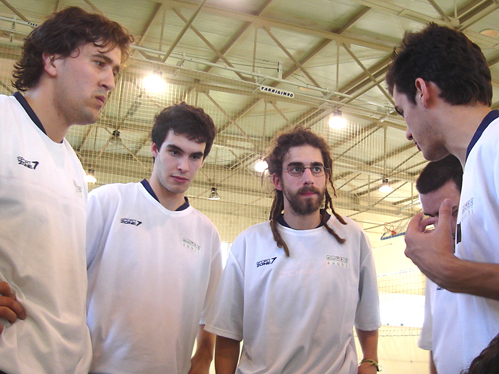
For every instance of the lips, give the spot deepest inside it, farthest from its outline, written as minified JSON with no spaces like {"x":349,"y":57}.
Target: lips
{"x":101,"y":98}
{"x":179,"y":179}
{"x":308,"y":191}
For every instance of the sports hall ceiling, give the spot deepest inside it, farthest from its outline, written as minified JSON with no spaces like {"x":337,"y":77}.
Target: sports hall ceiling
{"x":218,"y":54}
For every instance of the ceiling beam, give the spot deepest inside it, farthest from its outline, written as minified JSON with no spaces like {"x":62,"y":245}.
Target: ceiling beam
{"x":211,"y":46}
{"x":260,"y":20}
{"x":291,"y":57}
{"x":401,"y":12}
{"x":184,"y":29}
{"x":440,"y":11}
{"x":480,"y":11}
{"x":383,"y":91}
{"x":15,"y":11}
{"x":145,"y":31}
{"x":238,"y":35}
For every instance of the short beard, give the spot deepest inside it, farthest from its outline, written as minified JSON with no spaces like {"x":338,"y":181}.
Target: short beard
{"x":307,"y":206}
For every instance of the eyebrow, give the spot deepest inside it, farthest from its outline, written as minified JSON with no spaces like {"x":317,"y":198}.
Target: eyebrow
{"x":108,"y":60}
{"x":455,"y":209}
{"x":297,"y":163}
{"x":178,"y":149}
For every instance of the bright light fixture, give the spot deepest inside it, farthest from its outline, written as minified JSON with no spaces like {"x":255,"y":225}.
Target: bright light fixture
{"x":155,"y":83}
{"x":261,"y":166}
{"x":336,"y":121}
{"x":214,"y":194}
{"x":491,"y":33}
{"x":90,"y":177}
{"x":385,"y":187}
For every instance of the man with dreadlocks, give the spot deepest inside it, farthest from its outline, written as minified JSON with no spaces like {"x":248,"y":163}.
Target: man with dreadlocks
{"x":293,"y":288}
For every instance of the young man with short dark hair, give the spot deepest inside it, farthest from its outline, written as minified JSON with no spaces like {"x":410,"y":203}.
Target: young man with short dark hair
{"x":438,"y":181}
{"x":441,"y":84}
{"x":154,"y":261}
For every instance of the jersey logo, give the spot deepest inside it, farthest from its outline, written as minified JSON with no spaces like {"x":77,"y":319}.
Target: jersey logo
{"x":467,"y":208}
{"x":268,"y":261}
{"x":78,"y":189}
{"x":29,"y":164}
{"x":337,"y":260}
{"x":130,"y":221}
{"x":190,"y":244}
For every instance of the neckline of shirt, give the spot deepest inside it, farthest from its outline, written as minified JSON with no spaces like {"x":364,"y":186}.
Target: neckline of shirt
{"x":149,"y":189}
{"x":489,"y":118}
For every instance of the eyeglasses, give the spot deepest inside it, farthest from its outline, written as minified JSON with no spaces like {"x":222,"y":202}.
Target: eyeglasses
{"x":298,"y":170}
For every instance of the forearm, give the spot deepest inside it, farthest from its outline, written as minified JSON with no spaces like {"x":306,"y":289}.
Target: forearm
{"x":369,"y":343}
{"x":201,"y":361}
{"x":475,"y":278}
{"x":226,"y":355}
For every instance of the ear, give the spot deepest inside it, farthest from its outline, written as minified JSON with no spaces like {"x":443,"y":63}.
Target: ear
{"x":154,"y":150}
{"x":49,"y":63}
{"x":424,"y":92}
{"x":277,"y":182}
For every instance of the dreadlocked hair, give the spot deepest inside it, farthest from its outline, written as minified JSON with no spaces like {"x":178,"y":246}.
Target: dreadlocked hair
{"x":281,"y":145}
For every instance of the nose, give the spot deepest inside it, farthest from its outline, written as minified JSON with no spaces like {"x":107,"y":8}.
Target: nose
{"x":183,"y":164}
{"x":408,"y":134}
{"x":307,"y":177}
{"x":108,"y":81}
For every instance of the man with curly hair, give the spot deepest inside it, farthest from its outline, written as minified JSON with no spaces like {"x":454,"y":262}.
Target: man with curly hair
{"x":294,"y":287}
{"x":67,"y":68}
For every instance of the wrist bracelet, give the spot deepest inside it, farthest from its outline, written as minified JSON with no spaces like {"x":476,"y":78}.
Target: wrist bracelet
{"x":372,"y":362}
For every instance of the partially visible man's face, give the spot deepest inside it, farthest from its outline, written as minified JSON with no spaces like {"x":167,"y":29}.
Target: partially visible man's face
{"x":83,"y":81}
{"x":176,"y":163}
{"x":431,"y":202}
{"x":303,"y":194}
{"x":421,"y":129}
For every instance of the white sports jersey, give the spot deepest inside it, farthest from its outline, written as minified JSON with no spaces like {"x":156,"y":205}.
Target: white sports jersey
{"x":42,"y":248}
{"x":296,"y":315}
{"x":152,"y":273}
{"x":478,"y":238}
{"x":439,"y":333}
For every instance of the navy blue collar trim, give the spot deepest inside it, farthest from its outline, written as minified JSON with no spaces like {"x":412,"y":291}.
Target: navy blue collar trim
{"x":491,"y":116}
{"x":148,"y":188}
{"x":29,"y":111}
{"x":285,"y":224}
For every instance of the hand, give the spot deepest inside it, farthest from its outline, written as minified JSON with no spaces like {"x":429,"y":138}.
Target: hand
{"x":431,"y":250}
{"x":10,"y":308}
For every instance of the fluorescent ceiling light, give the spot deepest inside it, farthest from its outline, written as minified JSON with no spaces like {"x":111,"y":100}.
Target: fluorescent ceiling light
{"x":336,"y":121}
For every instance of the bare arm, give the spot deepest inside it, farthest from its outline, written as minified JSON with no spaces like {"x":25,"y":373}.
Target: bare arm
{"x":10,"y":308}
{"x":369,"y":343}
{"x":433,"y":369}
{"x":226,"y":355}
{"x":433,"y":253}
{"x":201,"y":361}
